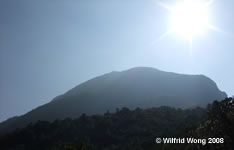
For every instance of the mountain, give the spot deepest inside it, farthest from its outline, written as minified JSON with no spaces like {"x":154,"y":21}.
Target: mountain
{"x":137,"y":87}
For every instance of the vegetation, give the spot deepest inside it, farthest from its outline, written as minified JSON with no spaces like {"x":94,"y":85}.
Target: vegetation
{"x":137,"y":87}
{"x":220,"y":124}
{"x":129,"y":130}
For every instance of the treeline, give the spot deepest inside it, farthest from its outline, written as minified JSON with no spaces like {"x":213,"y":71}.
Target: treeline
{"x":219,"y":124}
{"x":129,"y":130}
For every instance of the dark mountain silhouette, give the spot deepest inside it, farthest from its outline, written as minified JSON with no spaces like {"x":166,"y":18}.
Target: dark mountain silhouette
{"x":137,"y":87}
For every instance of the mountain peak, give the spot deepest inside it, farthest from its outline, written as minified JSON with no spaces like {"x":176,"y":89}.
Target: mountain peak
{"x":143,"y":87}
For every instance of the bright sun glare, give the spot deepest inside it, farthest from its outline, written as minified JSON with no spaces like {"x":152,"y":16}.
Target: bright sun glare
{"x":189,"y":18}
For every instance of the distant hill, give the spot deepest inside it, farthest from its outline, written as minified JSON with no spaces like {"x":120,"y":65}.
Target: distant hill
{"x":137,"y":87}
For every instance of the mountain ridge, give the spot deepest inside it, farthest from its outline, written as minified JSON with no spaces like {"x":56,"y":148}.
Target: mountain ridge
{"x":136,"y":87}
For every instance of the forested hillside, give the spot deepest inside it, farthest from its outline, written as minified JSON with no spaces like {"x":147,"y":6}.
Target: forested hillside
{"x":129,"y":129}
{"x":142,"y":87}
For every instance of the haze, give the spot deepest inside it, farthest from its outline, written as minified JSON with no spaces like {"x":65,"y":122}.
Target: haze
{"x":47,"y":46}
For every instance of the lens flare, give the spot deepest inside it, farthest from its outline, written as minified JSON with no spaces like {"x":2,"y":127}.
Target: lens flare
{"x":189,"y":18}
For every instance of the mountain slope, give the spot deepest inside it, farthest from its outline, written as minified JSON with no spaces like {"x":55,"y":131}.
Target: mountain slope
{"x":137,"y":87}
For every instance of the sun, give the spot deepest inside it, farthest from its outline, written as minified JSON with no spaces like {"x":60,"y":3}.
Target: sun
{"x":189,"y":18}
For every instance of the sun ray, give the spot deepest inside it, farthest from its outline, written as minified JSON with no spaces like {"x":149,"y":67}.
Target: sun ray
{"x":214,"y":28}
{"x":219,"y":30}
{"x":163,"y":5}
{"x":164,"y":35}
{"x":209,"y":3}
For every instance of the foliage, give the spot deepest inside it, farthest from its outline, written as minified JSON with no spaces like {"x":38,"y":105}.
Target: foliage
{"x":129,"y":130}
{"x":220,"y":124}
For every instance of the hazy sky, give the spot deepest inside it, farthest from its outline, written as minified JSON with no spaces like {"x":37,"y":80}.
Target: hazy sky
{"x":49,"y":46}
